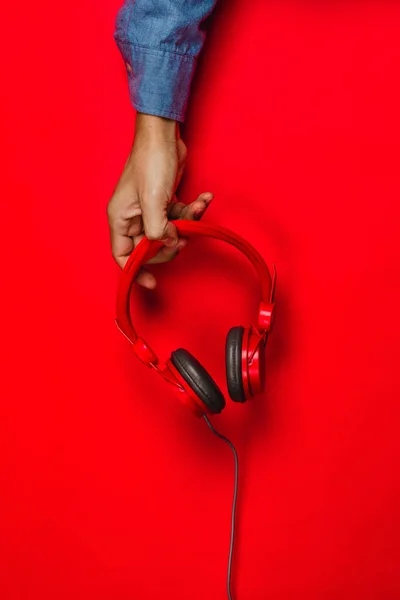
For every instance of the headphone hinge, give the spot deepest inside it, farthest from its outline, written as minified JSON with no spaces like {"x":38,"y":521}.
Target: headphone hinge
{"x":266,"y":315}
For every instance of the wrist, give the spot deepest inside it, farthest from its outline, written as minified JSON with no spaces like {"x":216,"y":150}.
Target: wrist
{"x":152,"y":127}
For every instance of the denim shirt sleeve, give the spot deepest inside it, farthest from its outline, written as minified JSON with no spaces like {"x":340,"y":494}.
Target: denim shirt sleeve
{"x":160,"y":41}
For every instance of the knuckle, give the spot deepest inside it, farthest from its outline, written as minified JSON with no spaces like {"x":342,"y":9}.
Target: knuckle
{"x":154,"y":232}
{"x":110,"y":209}
{"x":182,"y":148}
{"x":183,"y":154}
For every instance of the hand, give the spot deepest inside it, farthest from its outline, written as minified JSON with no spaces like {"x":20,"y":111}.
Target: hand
{"x":144,"y":199}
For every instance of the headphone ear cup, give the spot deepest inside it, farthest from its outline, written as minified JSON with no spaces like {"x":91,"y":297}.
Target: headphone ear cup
{"x":198,"y":379}
{"x":233,"y":359}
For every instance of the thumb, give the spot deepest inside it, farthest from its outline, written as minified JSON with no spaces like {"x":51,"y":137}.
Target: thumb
{"x":155,"y":220}
{"x":170,"y":238}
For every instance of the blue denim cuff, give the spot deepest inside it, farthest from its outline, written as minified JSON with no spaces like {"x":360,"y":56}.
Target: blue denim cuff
{"x":159,"y":80}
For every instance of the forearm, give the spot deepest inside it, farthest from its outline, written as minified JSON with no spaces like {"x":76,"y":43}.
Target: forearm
{"x":160,"y":41}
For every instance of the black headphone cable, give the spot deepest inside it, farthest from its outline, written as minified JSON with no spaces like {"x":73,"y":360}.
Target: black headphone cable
{"x":235,"y":494}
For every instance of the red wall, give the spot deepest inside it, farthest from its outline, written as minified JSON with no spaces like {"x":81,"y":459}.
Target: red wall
{"x":110,"y":490}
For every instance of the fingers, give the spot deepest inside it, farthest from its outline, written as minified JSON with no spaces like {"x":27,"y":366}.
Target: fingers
{"x":146,"y":279}
{"x":127,"y":233}
{"x":155,"y":219}
{"x":121,"y":240}
{"x":122,"y":246}
{"x":179,"y":210}
{"x":170,"y":238}
{"x":136,"y":226}
{"x":193,"y":211}
{"x":175,"y":209}
{"x":166,"y":254}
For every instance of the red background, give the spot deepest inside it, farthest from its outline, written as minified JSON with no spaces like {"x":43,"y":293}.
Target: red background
{"x":110,"y":490}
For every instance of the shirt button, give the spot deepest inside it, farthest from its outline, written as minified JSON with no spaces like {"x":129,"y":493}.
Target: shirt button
{"x":128,"y":68}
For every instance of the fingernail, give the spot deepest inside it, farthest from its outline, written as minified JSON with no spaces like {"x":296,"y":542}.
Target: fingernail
{"x":181,"y":244}
{"x":170,"y":242}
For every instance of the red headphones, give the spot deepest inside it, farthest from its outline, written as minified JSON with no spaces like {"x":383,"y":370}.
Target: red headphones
{"x":245,"y":347}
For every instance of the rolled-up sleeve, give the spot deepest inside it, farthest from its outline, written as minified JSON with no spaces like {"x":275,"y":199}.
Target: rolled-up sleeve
{"x":160,"y":41}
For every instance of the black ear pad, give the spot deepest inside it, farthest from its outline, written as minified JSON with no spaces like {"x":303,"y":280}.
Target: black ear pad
{"x":199,"y":380}
{"x":233,"y":358}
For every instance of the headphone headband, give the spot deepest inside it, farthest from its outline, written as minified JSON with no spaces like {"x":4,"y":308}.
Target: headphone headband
{"x":147,"y":249}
